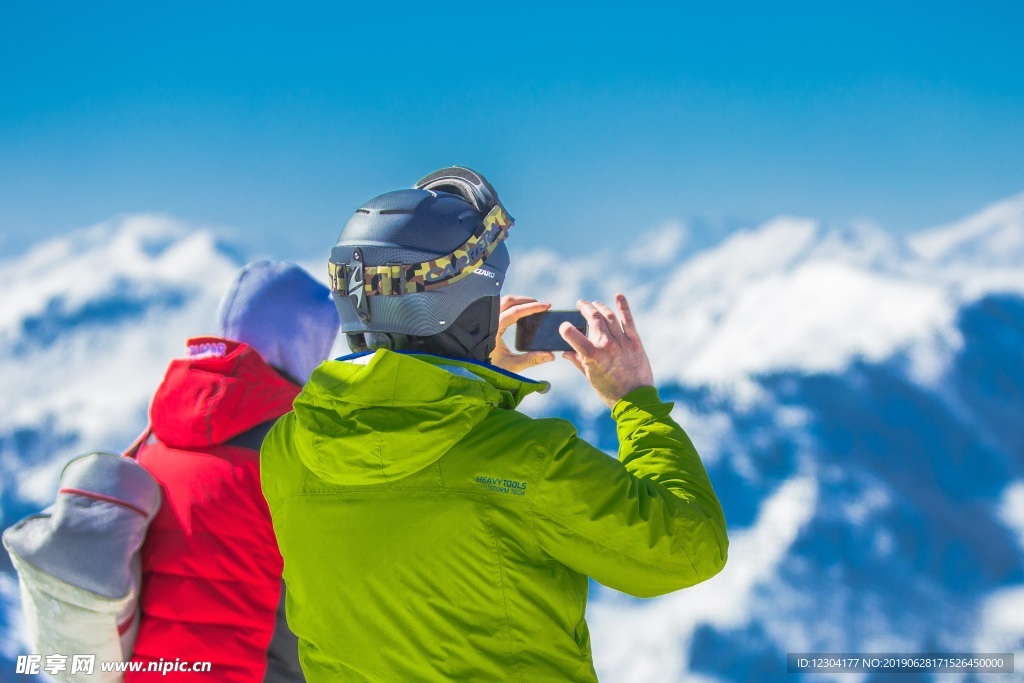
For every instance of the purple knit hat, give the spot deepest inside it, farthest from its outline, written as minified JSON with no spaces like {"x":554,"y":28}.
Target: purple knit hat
{"x":278,"y":309}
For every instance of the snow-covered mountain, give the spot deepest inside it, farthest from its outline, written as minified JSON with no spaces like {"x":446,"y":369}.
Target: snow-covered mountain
{"x":857,"y":397}
{"x":87,"y":324}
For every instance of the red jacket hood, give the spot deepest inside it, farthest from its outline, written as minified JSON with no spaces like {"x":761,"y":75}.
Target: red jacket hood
{"x":222,"y":389}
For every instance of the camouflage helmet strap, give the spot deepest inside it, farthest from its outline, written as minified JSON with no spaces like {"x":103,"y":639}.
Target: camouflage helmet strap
{"x":358,"y":281}
{"x":394,"y":280}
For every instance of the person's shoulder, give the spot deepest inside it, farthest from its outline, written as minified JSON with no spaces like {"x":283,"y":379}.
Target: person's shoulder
{"x":278,"y":442}
{"x":556,"y":427}
{"x":281,"y":468}
{"x":548,"y":432}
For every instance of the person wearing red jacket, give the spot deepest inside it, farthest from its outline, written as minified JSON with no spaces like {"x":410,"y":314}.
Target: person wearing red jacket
{"x":212,"y":588}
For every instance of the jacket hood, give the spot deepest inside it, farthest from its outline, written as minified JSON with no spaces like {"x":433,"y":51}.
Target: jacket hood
{"x":222,"y":389}
{"x":378,"y":417}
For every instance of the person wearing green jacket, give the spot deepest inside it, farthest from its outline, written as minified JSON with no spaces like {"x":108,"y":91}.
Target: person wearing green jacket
{"x":430,"y":530}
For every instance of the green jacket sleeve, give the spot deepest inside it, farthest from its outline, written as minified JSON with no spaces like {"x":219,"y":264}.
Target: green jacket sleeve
{"x":646,"y":524}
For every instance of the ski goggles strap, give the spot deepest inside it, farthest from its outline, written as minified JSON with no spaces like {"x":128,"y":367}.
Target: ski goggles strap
{"x":394,"y":280}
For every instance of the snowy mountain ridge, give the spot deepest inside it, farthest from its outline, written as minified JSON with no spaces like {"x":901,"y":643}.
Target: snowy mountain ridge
{"x":88,"y":322}
{"x":992,"y":237}
{"x":789,"y":295}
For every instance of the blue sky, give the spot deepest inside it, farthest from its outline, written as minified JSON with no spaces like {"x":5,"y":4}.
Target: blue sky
{"x":595,"y":121}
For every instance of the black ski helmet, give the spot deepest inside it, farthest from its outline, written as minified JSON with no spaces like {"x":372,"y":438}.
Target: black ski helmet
{"x":422,"y":269}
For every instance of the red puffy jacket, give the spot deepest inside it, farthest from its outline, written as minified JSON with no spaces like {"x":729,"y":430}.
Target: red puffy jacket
{"x":211,"y":568}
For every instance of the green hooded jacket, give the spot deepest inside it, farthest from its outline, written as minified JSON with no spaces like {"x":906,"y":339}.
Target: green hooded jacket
{"x":431,"y":532}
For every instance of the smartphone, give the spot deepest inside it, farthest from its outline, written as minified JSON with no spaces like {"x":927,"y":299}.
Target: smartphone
{"x":539,"y":332}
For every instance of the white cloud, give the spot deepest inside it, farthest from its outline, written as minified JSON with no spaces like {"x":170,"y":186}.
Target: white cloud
{"x":143,"y":253}
{"x":96,"y":381}
{"x":1010,"y":509}
{"x":648,"y":642}
{"x":788,"y":295}
{"x":992,"y":237}
{"x":872,"y":499}
{"x":1001,"y":624}
{"x":813,"y":318}
{"x":658,"y":247}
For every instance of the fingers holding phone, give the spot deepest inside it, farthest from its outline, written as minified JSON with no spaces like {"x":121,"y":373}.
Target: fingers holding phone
{"x":513,"y":310}
{"x":603,"y":344}
{"x":610,"y":353}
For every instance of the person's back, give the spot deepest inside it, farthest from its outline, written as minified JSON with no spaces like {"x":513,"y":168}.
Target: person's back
{"x":432,"y":532}
{"x":211,"y":568}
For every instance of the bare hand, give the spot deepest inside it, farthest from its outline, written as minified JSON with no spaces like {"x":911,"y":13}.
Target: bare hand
{"x":512,"y":309}
{"x":611,"y":355}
